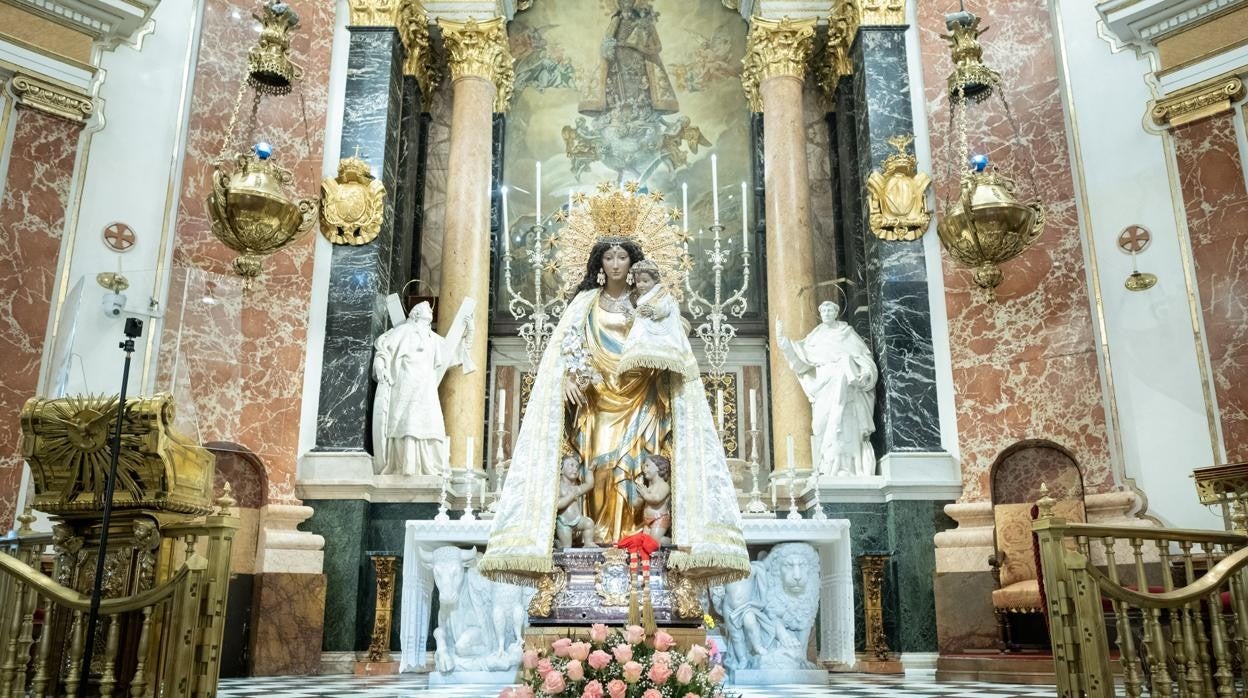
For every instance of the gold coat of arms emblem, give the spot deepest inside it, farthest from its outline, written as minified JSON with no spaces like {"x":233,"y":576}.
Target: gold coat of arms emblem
{"x":898,"y":195}
{"x":352,"y":204}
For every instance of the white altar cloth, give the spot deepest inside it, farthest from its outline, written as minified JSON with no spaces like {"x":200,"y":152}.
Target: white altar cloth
{"x":830,"y":538}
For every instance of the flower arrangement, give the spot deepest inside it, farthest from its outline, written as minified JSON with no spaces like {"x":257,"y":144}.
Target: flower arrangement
{"x":620,"y":664}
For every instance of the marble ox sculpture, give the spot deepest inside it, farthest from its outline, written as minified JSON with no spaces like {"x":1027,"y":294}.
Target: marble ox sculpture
{"x":480,"y":623}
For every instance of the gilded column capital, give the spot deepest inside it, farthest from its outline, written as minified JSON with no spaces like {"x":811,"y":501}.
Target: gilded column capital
{"x":480,"y":49}
{"x":413,"y":25}
{"x":373,"y":13}
{"x":880,"y":13}
{"x":1206,"y":99}
{"x":842,"y":28}
{"x":50,"y":98}
{"x":775,"y":48}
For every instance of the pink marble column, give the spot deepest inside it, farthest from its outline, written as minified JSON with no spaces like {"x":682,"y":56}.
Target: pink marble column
{"x":42,"y":156}
{"x":1215,"y":198}
{"x":476,"y":52}
{"x":1016,"y":356}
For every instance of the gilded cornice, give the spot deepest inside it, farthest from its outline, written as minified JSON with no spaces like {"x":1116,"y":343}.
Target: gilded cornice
{"x":1207,"y":99}
{"x":373,"y":13}
{"x":883,"y":13}
{"x":775,"y":48}
{"x":480,"y":49}
{"x":413,"y":25}
{"x":52,"y":99}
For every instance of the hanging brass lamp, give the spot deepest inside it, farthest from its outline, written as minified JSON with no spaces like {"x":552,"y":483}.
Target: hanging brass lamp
{"x":986,"y":225}
{"x":250,"y":208}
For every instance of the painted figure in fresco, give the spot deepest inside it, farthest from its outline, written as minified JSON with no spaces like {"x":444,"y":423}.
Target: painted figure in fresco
{"x":837,"y":373}
{"x":409,"y":434}
{"x":631,"y":72}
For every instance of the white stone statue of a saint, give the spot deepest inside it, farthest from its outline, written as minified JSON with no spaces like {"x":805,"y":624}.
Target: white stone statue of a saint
{"x":838,"y":374}
{"x":409,"y":435}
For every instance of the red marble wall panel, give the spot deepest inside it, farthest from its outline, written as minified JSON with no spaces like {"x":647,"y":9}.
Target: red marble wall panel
{"x":1024,"y":362}
{"x":32,"y":214}
{"x":264,"y":401}
{"x":1215,"y":198}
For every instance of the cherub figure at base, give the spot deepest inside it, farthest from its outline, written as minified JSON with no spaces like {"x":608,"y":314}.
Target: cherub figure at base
{"x":571,"y":519}
{"x":657,"y":495}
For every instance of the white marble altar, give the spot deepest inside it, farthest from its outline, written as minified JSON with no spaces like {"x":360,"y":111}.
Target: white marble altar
{"x":829,"y":537}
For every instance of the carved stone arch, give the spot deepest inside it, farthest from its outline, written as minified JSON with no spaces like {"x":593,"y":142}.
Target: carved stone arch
{"x":243,"y":469}
{"x":1018,"y":471}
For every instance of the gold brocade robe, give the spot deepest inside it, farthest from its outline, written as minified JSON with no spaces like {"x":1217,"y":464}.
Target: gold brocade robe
{"x":628,"y":419}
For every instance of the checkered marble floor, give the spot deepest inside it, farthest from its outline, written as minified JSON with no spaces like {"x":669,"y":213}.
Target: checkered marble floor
{"x":839,"y":686}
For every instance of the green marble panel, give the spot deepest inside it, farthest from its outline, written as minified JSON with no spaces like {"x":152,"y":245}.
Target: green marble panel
{"x":342,"y":523}
{"x":912,"y":526}
{"x":386,"y":530}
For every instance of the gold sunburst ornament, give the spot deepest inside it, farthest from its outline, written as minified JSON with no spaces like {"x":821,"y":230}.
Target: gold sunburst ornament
{"x":622,"y":215}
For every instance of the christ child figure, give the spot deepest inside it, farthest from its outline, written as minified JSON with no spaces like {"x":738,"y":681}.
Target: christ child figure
{"x":571,"y":519}
{"x":657,"y":338}
{"x":657,"y":495}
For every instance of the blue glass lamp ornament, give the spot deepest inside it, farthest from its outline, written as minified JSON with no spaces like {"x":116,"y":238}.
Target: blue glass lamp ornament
{"x":263,"y":150}
{"x":979,"y":162}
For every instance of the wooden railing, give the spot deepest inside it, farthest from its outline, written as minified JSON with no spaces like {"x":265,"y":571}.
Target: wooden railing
{"x":164,"y":641}
{"x":1174,"y":600}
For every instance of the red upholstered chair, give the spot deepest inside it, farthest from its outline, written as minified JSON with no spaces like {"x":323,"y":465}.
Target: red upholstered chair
{"x":1015,"y":478}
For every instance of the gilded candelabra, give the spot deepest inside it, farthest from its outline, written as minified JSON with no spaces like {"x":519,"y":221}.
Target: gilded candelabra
{"x":539,"y":312}
{"x":716,"y":332}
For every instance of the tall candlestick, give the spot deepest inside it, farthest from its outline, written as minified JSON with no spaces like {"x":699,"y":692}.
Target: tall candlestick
{"x":788,"y":445}
{"x":745,"y":226}
{"x":719,"y":407}
{"x":684,"y":206}
{"x":537,"y":194}
{"x":468,"y":455}
{"x":753,"y":409}
{"x":715,"y":187}
{"x":502,"y":406}
{"x":504,"y":228}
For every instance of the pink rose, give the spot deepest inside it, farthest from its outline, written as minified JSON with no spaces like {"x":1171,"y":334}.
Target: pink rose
{"x":561,"y":646}
{"x":509,"y":692}
{"x":616,"y":688}
{"x":634,"y":634}
{"x":553,"y":683}
{"x":544,"y":667}
{"x":579,"y":651}
{"x":622,"y":653}
{"x":663,"y":641}
{"x":692,"y":695}
{"x":524,"y":692}
{"x":593,"y":689}
{"x":660,"y":672}
{"x":717,"y":674}
{"x":632,"y":672}
{"x":576,"y":672}
{"x":598,"y":632}
{"x":665,"y":657}
{"x":599,"y":660}
{"x":652,"y":693}
{"x":697,"y":655}
{"x":684,"y":674}
{"x":529,"y":660}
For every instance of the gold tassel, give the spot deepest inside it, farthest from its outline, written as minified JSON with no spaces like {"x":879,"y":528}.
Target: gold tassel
{"x":647,"y":614}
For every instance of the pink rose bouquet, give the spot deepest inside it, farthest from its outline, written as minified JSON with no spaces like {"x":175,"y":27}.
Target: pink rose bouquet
{"x":619,"y":663}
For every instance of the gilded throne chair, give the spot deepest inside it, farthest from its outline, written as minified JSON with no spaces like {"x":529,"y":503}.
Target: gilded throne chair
{"x":1016,"y":477}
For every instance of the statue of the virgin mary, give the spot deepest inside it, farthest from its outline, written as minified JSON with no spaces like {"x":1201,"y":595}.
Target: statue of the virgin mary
{"x":614,"y":422}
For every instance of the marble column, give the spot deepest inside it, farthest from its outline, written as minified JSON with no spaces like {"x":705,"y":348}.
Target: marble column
{"x":891,"y":274}
{"x":481,"y":74}
{"x":775,"y":65}
{"x":361,"y":276}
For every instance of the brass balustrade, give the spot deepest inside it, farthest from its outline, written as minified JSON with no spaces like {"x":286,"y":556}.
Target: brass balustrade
{"x":1186,"y":637}
{"x":163,"y":641}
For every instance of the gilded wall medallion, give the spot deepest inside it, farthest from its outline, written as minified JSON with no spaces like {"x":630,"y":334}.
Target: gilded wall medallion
{"x":898,"y":195}
{"x":352,"y":204}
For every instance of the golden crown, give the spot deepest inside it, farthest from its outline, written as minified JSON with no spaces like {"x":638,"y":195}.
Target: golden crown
{"x":356,"y":168}
{"x":615,"y":216}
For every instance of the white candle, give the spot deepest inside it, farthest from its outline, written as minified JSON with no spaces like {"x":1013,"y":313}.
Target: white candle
{"x":719,"y":407}
{"x":537,"y":193}
{"x":788,"y":444}
{"x":745,"y":226}
{"x":715,"y":187}
{"x":502,"y":406}
{"x":468,"y":456}
{"x":684,"y":206}
{"x":753,"y":409}
{"x":506,"y":229}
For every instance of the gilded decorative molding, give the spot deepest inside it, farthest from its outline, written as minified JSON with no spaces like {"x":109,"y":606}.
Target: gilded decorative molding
{"x":374,"y":13}
{"x":1207,"y":99}
{"x":53,"y":99}
{"x":842,"y":28}
{"x":413,"y":25}
{"x":775,"y":48}
{"x":883,"y":13}
{"x":480,"y":49}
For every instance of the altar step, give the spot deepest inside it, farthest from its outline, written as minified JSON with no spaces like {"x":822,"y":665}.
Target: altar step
{"x":990,"y":666}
